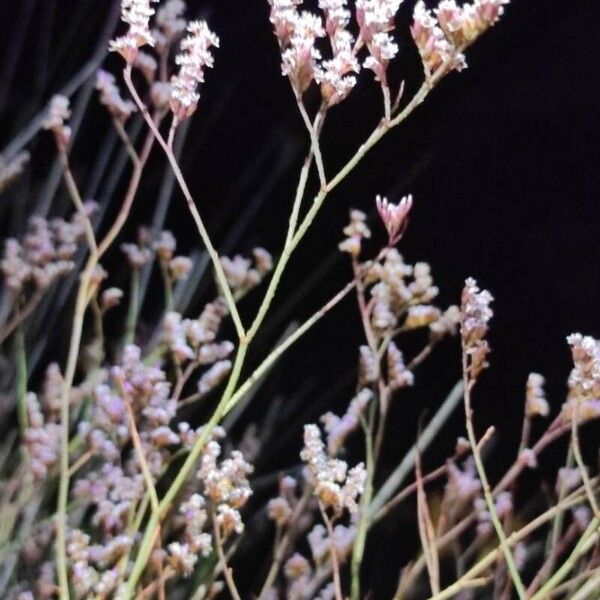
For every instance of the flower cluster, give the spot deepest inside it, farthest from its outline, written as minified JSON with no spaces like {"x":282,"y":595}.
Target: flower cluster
{"x":112,"y":493}
{"x":376,"y":19}
{"x":334,"y":75}
{"x":398,"y":374}
{"x":110,"y":96}
{"x":393,"y":293}
{"x":194,"y":57}
{"x":584,"y":379}
{"x":394,"y":216}
{"x":535,"y":397}
{"x":356,"y":231}
{"x":94,"y":569}
{"x":280,"y":509}
{"x":338,"y":428}
{"x":302,"y":578}
{"x":226,"y":485}
{"x":136,"y":13}
{"x":41,"y":437}
{"x":442,"y":37}
{"x":146,"y":391}
{"x":194,"y":339}
{"x":184,"y":555}
{"x":175,"y":267}
{"x":462,"y":488}
{"x":336,"y":486}
{"x":45,"y":254}
{"x":475,"y":315}
{"x":242,"y":275}
{"x":169,"y":23}
{"x":59,"y":111}
{"x":302,"y":62}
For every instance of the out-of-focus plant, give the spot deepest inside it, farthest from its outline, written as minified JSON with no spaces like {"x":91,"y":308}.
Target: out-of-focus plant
{"x":110,"y":493}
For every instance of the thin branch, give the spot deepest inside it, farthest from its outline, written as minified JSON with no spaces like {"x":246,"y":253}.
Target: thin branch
{"x":223,"y":560}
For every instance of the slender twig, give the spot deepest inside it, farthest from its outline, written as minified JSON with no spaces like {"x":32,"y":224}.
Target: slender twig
{"x":403,"y":470}
{"x":489,"y":559}
{"x":315,"y":146}
{"x":81,"y":303}
{"x":76,"y":196}
{"x":358,"y":548}
{"x":80,"y":462}
{"x":587,"y":540}
{"x":335,"y":561}
{"x":426,"y":529}
{"x":21,"y":314}
{"x":221,"y":277}
{"x":139,"y":450}
{"x":468,"y":384}
{"x":133,"y":307}
{"x":283,"y":544}
{"x":223,"y":560}
{"x":556,"y":552}
{"x":21,"y":379}
{"x":277,"y":352}
{"x":226,"y":403}
{"x":578,"y":458}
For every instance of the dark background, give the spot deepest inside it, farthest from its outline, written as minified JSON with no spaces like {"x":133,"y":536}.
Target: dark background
{"x":502,"y":161}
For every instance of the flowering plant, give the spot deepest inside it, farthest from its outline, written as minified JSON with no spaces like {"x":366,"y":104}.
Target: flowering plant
{"x":123,"y":479}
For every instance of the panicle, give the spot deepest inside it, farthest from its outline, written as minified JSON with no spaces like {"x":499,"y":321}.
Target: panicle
{"x":584,"y":379}
{"x":376,"y":20}
{"x":475,"y":316}
{"x":136,"y":13}
{"x":194,"y":57}
{"x":442,"y":35}
{"x":335,"y":486}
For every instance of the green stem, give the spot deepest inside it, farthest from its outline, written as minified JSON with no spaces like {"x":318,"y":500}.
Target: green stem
{"x":21,"y":379}
{"x":487,"y":492}
{"x":363,"y":524}
{"x":588,"y":539}
{"x":134,"y":309}
{"x":221,"y":277}
{"x":147,"y":542}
